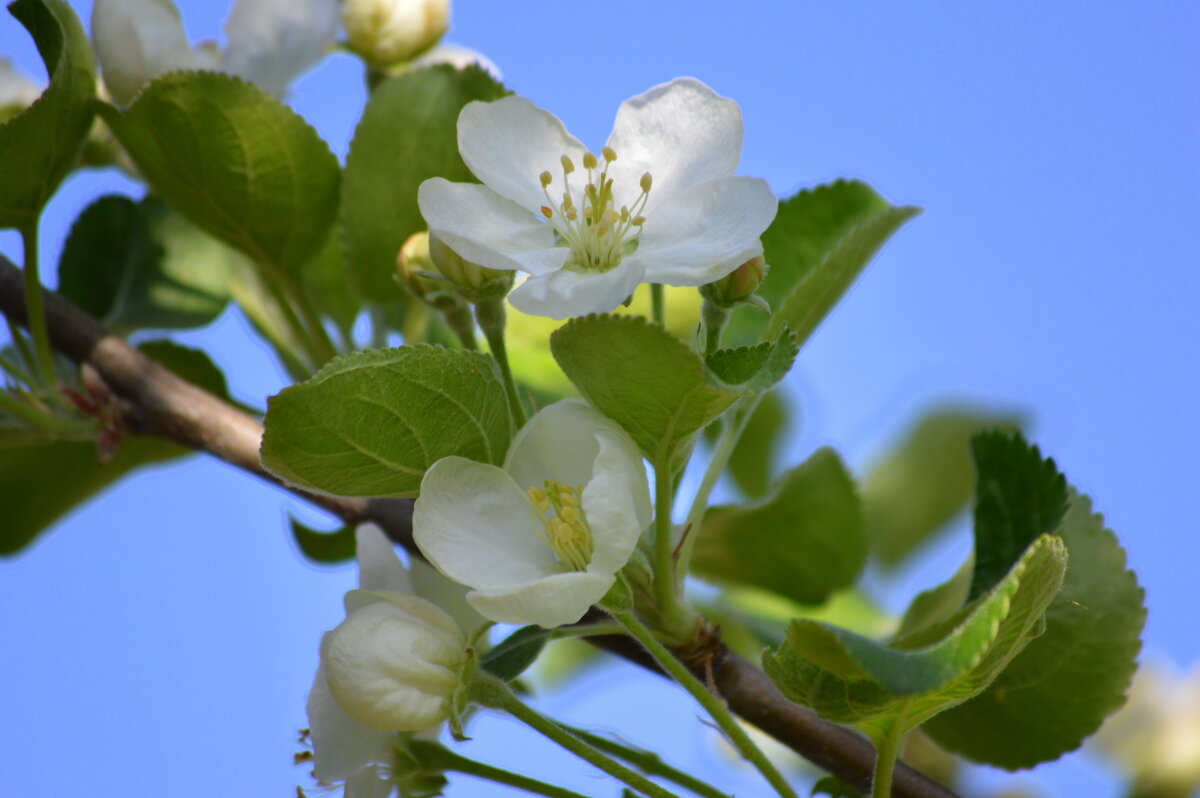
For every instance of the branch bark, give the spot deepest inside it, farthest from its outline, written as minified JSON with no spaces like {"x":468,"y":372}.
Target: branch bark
{"x":157,"y":402}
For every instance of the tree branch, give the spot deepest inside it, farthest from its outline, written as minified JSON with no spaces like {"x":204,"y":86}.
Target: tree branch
{"x":156,"y":402}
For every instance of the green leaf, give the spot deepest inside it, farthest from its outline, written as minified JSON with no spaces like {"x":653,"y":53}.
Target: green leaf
{"x":324,"y":547}
{"x":817,"y":290}
{"x":40,"y":145}
{"x":1062,"y":686}
{"x":513,"y":655}
{"x":138,"y":265}
{"x":251,"y":290}
{"x":752,"y":462}
{"x":645,"y":379}
{"x":408,"y":133}
{"x":1018,"y":497}
{"x":804,"y":543}
{"x":751,"y":369}
{"x":924,"y":482}
{"x":938,"y":603}
{"x":235,"y":161}
{"x":371,"y":423}
{"x":41,"y":482}
{"x":193,"y":365}
{"x":852,"y":679}
{"x":835,"y":788}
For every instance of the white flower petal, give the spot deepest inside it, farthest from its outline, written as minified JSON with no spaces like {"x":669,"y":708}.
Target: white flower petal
{"x":558,"y":443}
{"x":475,"y":524}
{"x":447,"y":594}
{"x":566,"y":293}
{"x":508,"y":143}
{"x":16,"y":90}
{"x":682,"y":133}
{"x":553,"y":601}
{"x":707,"y":231}
{"x":389,"y":671}
{"x":378,"y":566}
{"x":136,"y":41}
{"x":457,"y":57}
{"x":487,"y":229}
{"x":271,"y":42}
{"x":432,"y":618}
{"x":616,"y":504}
{"x":341,"y":745}
{"x":369,"y":782}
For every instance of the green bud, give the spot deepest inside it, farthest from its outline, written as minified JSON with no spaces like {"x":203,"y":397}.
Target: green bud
{"x":473,"y":282}
{"x":416,"y":271}
{"x":737,"y":286}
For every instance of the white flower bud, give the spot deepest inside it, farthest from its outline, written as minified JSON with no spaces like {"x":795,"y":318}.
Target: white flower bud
{"x":386,"y":32}
{"x":135,"y":42}
{"x":17,"y":92}
{"x":394,"y":663}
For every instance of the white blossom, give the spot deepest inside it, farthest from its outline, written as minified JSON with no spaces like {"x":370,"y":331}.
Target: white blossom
{"x":659,"y":204}
{"x":540,"y":540}
{"x":136,"y":41}
{"x":391,"y":31}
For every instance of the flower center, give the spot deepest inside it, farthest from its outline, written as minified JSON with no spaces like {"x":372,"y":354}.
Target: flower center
{"x":597,"y":232}
{"x":566,"y":529}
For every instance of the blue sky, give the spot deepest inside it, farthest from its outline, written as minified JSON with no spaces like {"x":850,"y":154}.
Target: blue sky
{"x":162,"y":639}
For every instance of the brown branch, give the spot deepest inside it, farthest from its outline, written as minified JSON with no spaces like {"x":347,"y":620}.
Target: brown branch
{"x":156,"y":402}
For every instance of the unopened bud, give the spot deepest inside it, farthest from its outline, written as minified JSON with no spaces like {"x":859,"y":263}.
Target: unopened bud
{"x":473,"y":282}
{"x":135,"y":42}
{"x":416,"y":270}
{"x":387,"y":32}
{"x":737,"y":286}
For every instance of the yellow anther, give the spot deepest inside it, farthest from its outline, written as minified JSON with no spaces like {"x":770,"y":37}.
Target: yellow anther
{"x":568,"y":165}
{"x":539,"y":500}
{"x":549,"y":214}
{"x":546,"y":179}
{"x":646,"y":182}
{"x":589,"y":161}
{"x":609,"y":154}
{"x":570,"y":514}
{"x":638,"y":221}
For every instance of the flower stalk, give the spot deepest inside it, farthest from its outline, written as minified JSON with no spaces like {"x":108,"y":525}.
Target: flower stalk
{"x":712,"y":704}
{"x":491,"y":692}
{"x":34,"y":308}
{"x":649,"y":763}
{"x":491,"y":317}
{"x":436,"y":757}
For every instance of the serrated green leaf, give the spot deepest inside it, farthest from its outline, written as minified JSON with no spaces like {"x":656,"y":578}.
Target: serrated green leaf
{"x":324,"y":547}
{"x":644,"y":378}
{"x":804,"y":543}
{"x":43,"y":481}
{"x":515,"y":653}
{"x":1062,"y":686}
{"x":817,"y":292}
{"x":751,"y":369}
{"x":1018,"y":497}
{"x":39,"y":145}
{"x":141,"y":265}
{"x":938,"y":603}
{"x":408,"y":133}
{"x":371,"y":423}
{"x":235,"y":161}
{"x":924,"y":482}
{"x":852,"y":679}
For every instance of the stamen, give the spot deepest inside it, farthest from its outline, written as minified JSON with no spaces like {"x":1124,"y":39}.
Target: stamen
{"x":549,"y":214}
{"x":568,"y":165}
{"x":546,"y":179}
{"x":646,"y":182}
{"x":609,"y":154}
{"x":589,"y":161}
{"x":566,"y":532}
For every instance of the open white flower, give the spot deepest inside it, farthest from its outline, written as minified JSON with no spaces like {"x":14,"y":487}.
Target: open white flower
{"x":659,"y":204}
{"x":542,"y":539}
{"x":344,"y":748}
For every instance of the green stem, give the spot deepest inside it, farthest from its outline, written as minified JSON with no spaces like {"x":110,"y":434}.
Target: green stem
{"x":658,"y":304}
{"x":491,"y":318}
{"x":323,"y":348}
{"x":887,"y":749}
{"x":731,"y":432}
{"x":462,"y":324}
{"x":34,"y":308}
{"x":15,"y":371}
{"x":676,"y":620}
{"x":435,"y":756}
{"x":712,"y":704}
{"x":21,"y":348}
{"x":714,"y":317}
{"x":491,"y":692}
{"x":587,"y":630}
{"x":43,"y":420}
{"x":649,"y":763}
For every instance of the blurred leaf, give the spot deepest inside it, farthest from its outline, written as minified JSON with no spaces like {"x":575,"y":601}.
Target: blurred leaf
{"x":752,"y":462}
{"x":1062,"y":686}
{"x":324,"y":547}
{"x":648,"y":381}
{"x":408,"y":133}
{"x":370,"y":423}
{"x":835,"y":788}
{"x":937,"y":603}
{"x":193,"y":365}
{"x":249,"y":288}
{"x":236,"y":162}
{"x":1019,"y":496}
{"x":924,"y":482}
{"x":43,"y":481}
{"x":848,"y":678}
{"x":515,"y":653}
{"x":804,"y":543}
{"x":325,"y":287}
{"x":141,"y":265}
{"x":39,"y":145}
